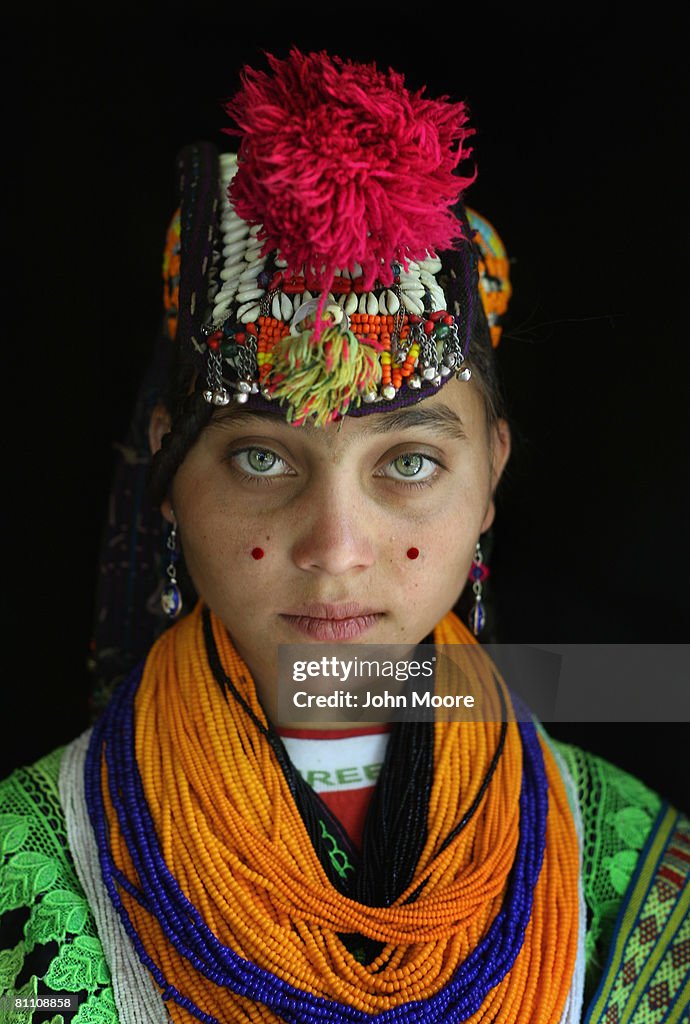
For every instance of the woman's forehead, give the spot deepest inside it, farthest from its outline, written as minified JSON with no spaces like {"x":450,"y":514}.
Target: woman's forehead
{"x":450,"y":415}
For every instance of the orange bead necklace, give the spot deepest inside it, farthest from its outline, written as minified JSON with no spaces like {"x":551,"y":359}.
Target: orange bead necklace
{"x":232,"y":837}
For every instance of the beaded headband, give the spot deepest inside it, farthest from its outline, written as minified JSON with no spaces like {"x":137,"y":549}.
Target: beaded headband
{"x":336,"y":279}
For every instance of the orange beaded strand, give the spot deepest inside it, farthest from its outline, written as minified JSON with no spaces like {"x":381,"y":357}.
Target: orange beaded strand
{"x":235,"y":841}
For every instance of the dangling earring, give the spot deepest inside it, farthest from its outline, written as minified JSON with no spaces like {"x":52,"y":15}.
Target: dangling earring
{"x":478,"y":574}
{"x":171,"y":598}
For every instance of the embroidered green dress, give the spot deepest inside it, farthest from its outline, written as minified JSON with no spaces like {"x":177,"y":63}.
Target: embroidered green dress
{"x":635,"y":868}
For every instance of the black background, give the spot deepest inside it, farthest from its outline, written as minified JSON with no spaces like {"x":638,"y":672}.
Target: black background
{"x":581,"y":146}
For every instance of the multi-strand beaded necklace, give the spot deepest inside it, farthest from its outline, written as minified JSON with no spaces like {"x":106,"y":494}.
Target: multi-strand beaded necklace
{"x":216,"y":863}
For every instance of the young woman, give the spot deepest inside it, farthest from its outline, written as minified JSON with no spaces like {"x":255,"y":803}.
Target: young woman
{"x":325,"y":460}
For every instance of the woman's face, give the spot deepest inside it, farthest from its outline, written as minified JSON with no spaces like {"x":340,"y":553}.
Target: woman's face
{"x":301,"y":534}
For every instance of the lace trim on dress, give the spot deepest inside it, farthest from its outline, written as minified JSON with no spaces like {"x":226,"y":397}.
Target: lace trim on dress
{"x":137,"y":998}
{"x":572,"y":1012}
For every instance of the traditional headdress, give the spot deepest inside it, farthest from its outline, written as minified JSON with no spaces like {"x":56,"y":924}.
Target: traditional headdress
{"x":329,"y":265}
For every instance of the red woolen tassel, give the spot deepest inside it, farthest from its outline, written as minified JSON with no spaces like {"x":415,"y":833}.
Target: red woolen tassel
{"x":341,"y":164}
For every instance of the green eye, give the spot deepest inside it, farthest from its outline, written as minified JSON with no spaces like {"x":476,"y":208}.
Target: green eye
{"x":261,"y":459}
{"x":408,"y":464}
{"x":411,"y":469}
{"x":253,"y":463}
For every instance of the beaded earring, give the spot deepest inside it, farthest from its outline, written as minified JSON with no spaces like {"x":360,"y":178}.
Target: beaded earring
{"x":478,"y":574}
{"x":171,"y":598}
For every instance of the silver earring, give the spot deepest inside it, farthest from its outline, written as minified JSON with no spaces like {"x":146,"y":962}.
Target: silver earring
{"x":171,"y":598}
{"x":478,"y":574}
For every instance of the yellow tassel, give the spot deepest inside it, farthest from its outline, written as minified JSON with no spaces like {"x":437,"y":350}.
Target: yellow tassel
{"x":321,"y":379}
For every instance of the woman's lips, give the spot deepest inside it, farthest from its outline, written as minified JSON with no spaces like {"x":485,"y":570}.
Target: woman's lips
{"x":332,"y":622}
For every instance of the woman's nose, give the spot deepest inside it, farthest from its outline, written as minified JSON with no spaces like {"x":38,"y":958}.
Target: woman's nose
{"x":333,"y":531}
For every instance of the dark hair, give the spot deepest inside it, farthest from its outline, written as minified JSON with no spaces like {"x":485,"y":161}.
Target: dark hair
{"x":188,"y":421}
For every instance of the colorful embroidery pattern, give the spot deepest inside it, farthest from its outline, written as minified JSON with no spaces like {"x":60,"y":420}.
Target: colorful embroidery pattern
{"x":648,"y":976}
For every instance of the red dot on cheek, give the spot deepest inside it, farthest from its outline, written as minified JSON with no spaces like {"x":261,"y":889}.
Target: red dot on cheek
{"x":413,"y":552}
{"x":257,"y":553}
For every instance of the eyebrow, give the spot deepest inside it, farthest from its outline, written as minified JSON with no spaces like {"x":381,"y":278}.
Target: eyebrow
{"x":440,"y":418}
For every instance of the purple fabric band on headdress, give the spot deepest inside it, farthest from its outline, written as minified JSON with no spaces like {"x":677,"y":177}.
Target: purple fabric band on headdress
{"x":404,"y":398}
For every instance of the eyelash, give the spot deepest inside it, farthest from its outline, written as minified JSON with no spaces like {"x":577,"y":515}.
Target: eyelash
{"x":426,"y":482}
{"x":260,"y":480}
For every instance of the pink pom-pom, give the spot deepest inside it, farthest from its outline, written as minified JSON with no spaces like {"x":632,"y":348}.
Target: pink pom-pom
{"x":341,"y":164}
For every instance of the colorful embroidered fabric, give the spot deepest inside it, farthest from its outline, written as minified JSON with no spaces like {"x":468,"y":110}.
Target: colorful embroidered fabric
{"x":48,"y":939}
{"x":37,"y":875}
{"x":650,"y":948}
